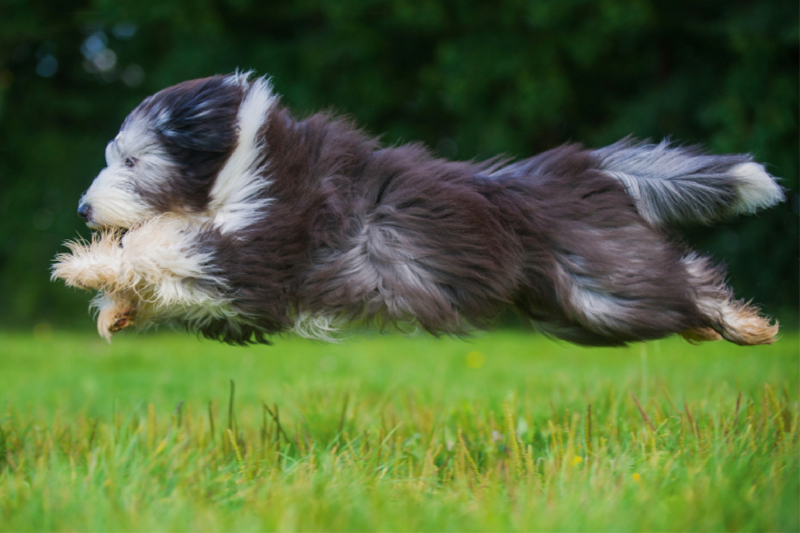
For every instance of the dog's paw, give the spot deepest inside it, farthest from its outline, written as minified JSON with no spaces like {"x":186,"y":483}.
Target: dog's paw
{"x":115,"y":318}
{"x":77,"y":271}
{"x":698,"y":335}
{"x":90,"y":265}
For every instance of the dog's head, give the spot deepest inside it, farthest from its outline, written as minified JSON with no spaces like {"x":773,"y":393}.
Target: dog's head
{"x":171,"y":148}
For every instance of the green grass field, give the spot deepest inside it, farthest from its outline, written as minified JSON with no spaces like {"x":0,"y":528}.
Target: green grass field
{"x":508,"y":431}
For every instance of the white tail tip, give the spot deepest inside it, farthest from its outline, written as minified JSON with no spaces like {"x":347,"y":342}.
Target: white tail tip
{"x":755,"y":187}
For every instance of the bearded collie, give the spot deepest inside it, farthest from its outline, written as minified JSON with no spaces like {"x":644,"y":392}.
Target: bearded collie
{"x":220,"y":212}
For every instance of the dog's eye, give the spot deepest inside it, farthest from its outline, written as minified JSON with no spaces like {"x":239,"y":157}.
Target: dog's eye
{"x":130,"y":161}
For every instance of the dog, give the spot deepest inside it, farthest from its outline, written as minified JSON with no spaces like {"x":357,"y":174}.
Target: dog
{"x":220,"y":212}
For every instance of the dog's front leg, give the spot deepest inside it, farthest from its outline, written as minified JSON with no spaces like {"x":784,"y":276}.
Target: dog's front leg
{"x":154,"y":260}
{"x":156,"y":272}
{"x":165,"y":263}
{"x":115,"y":312}
{"x":92,"y":265}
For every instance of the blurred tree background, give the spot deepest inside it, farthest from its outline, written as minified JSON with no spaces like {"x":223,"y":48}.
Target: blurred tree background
{"x":471,"y":79}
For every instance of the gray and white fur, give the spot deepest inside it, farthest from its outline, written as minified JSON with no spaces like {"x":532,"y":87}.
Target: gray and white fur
{"x":221,"y":212}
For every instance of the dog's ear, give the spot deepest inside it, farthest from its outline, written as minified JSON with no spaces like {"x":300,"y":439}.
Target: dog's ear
{"x":199,"y":115}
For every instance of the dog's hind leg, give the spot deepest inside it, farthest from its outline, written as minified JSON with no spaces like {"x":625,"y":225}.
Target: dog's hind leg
{"x":734,"y":320}
{"x":699,"y":308}
{"x":701,"y":334}
{"x":626,"y":285}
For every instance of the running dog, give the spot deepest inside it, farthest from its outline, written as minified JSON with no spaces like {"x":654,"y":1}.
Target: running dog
{"x":222,"y":213}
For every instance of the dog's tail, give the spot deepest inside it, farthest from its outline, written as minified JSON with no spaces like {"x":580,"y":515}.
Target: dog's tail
{"x":678,"y":185}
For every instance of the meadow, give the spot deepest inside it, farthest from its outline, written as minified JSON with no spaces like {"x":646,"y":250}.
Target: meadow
{"x":506,"y":431}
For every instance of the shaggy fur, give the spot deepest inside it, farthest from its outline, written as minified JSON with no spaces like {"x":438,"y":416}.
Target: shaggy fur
{"x":220,"y":211}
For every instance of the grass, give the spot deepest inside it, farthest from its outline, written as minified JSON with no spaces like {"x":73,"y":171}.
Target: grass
{"x":509,"y":431}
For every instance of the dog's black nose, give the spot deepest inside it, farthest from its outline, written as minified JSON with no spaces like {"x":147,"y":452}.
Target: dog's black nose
{"x":84,"y":211}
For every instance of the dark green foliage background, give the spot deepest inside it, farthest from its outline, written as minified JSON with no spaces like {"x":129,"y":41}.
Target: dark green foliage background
{"x":470,"y":79}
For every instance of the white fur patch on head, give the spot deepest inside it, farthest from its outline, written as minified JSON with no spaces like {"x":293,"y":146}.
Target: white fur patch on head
{"x":113,"y":203}
{"x":755,"y":187}
{"x":235,"y":197}
{"x":112,"y":195}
